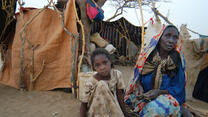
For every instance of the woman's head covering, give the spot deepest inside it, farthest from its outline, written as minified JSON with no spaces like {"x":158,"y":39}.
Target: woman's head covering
{"x":153,"y":34}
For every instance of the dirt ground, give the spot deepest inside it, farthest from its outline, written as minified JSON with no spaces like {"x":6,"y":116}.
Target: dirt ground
{"x":14,"y":103}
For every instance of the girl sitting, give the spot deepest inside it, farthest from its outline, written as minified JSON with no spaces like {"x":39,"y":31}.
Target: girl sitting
{"x":103,"y":91}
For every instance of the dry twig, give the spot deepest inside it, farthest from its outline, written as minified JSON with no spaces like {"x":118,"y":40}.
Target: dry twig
{"x":157,"y":13}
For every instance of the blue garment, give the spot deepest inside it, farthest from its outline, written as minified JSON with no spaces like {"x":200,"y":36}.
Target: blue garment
{"x":175,"y":86}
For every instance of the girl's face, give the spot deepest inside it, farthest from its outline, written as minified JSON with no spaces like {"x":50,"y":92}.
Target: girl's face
{"x":169,"y":39}
{"x":102,"y":65}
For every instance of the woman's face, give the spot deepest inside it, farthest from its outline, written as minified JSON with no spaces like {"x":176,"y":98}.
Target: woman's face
{"x":102,"y":65}
{"x":169,"y":39}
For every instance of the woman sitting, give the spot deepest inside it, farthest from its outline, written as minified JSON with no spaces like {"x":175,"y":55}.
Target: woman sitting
{"x":158,"y":85}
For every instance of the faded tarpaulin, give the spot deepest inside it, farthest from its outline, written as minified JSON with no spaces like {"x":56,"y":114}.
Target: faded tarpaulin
{"x":53,"y":47}
{"x":195,"y":54}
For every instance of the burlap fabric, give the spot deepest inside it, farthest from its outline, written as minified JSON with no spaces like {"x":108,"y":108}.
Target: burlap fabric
{"x":195,"y":53}
{"x":53,"y":47}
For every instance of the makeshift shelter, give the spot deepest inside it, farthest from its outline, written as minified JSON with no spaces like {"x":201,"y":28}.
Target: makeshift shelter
{"x":40,"y":54}
{"x":201,"y":88}
{"x":123,"y":35}
{"x":195,"y":53}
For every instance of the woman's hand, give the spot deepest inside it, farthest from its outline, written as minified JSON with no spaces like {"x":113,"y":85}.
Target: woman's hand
{"x":152,"y":94}
{"x":140,"y":91}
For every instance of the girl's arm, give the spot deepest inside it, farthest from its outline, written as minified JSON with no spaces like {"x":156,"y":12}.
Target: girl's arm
{"x":121,"y":102}
{"x":83,"y":110}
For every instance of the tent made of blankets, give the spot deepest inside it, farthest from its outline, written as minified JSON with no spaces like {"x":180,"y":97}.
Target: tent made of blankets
{"x":43,"y":55}
{"x":123,"y":35}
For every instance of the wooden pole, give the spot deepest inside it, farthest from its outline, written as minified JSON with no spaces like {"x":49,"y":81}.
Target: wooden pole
{"x":83,"y":50}
{"x":142,"y":34}
{"x":73,"y":80}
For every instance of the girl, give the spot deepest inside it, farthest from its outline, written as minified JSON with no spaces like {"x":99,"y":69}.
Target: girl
{"x":103,"y":91}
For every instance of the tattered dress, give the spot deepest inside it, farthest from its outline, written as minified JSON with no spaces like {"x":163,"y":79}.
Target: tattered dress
{"x":101,"y":96}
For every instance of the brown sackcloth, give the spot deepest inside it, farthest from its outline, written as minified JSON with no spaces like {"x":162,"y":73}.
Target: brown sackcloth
{"x":205,"y":63}
{"x":54,"y":48}
{"x":195,"y":56}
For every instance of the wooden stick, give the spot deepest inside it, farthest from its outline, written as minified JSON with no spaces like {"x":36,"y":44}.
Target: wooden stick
{"x":162,"y":16}
{"x":41,"y":71}
{"x":22,"y":51}
{"x":192,"y":31}
{"x":83,"y":49}
{"x":142,"y":35}
{"x":115,"y":15}
{"x":33,"y":48}
{"x":33,"y":78}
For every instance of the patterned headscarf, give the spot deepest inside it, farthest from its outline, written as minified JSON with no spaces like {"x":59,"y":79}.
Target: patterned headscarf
{"x":153,"y":34}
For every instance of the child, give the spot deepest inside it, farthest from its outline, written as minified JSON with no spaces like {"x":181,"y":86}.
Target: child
{"x":103,"y":91}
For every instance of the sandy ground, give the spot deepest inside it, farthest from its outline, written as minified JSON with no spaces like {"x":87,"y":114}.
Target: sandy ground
{"x":14,"y":103}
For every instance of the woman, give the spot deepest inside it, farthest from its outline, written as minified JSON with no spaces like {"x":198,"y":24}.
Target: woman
{"x":158,"y":85}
